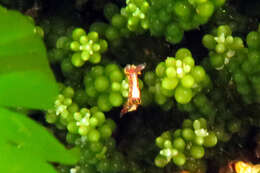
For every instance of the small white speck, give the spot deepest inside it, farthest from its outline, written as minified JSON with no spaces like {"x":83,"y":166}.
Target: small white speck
{"x":187,"y":68}
{"x":230,"y":53}
{"x":220,"y":39}
{"x":226,"y":61}
{"x":60,"y":109}
{"x":220,"y":68}
{"x":179,"y":70}
{"x":201,"y":132}
{"x":178,"y":63}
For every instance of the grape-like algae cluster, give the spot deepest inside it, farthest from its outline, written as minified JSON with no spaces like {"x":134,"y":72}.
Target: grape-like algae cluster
{"x":200,"y":90}
{"x":87,"y":47}
{"x":186,"y":142}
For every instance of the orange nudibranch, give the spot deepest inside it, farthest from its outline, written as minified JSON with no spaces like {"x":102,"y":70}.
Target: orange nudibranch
{"x":134,"y":94}
{"x":243,"y":167}
{"x":183,"y":171}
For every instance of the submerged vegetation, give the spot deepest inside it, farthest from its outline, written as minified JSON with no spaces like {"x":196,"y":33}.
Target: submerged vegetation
{"x":63,"y":85}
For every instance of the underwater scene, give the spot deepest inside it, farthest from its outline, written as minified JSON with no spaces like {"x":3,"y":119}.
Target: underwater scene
{"x":130,"y":86}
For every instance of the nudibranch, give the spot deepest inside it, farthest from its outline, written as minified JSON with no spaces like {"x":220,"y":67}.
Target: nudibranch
{"x":241,"y":167}
{"x":134,"y":94}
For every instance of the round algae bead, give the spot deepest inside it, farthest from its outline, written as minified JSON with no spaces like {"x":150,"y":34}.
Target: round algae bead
{"x":159,"y":141}
{"x":171,"y":72}
{"x":169,"y":83}
{"x":199,"y":140}
{"x":219,"y":3}
{"x":220,"y":48}
{"x":83,"y":130}
{"x":103,"y":103}
{"x":180,"y":159}
{"x":116,"y":76}
{"x":179,"y":143}
{"x":112,"y":33}
{"x":115,"y":99}
{"x":253,"y":39}
{"x":68,"y":92}
{"x":174,"y":34}
{"x":51,"y":117}
{"x":188,"y":60}
{"x":100,"y":116}
{"x":72,"y":127}
{"x":187,"y":81}
{"x":210,"y":140}
{"x":77,"y":33}
{"x":182,"y":53}
{"x":105,"y":131}
{"x":183,"y":95}
{"x":197,"y":152}
{"x":224,"y":29}
{"x":170,"y":62}
{"x":93,"y":122}
{"x":160,"y":69}
{"x":111,"y":124}
{"x":75,"y":46}
{"x":93,"y":135}
{"x":217,"y":60}
{"x":205,"y":10}
{"x":187,"y":123}
{"x":76,"y":60}
{"x":198,"y":73}
{"x":160,"y":161}
{"x":116,"y":86}
{"x":110,"y":9}
{"x":96,"y":147}
{"x":101,"y":83}
{"x":95,"y":58}
{"x":96,"y":71}
{"x":188,"y":134}
{"x":182,"y":9}
{"x":93,"y":36}
{"x":209,"y":42}
{"x":118,"y":21}
{"x":85,"y":55}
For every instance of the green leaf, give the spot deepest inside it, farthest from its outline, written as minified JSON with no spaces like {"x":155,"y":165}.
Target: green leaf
{"x":26,"y":79}
{"x":19,"y":89}
{"x":25,"y":145}
{"x":15,"y":161}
